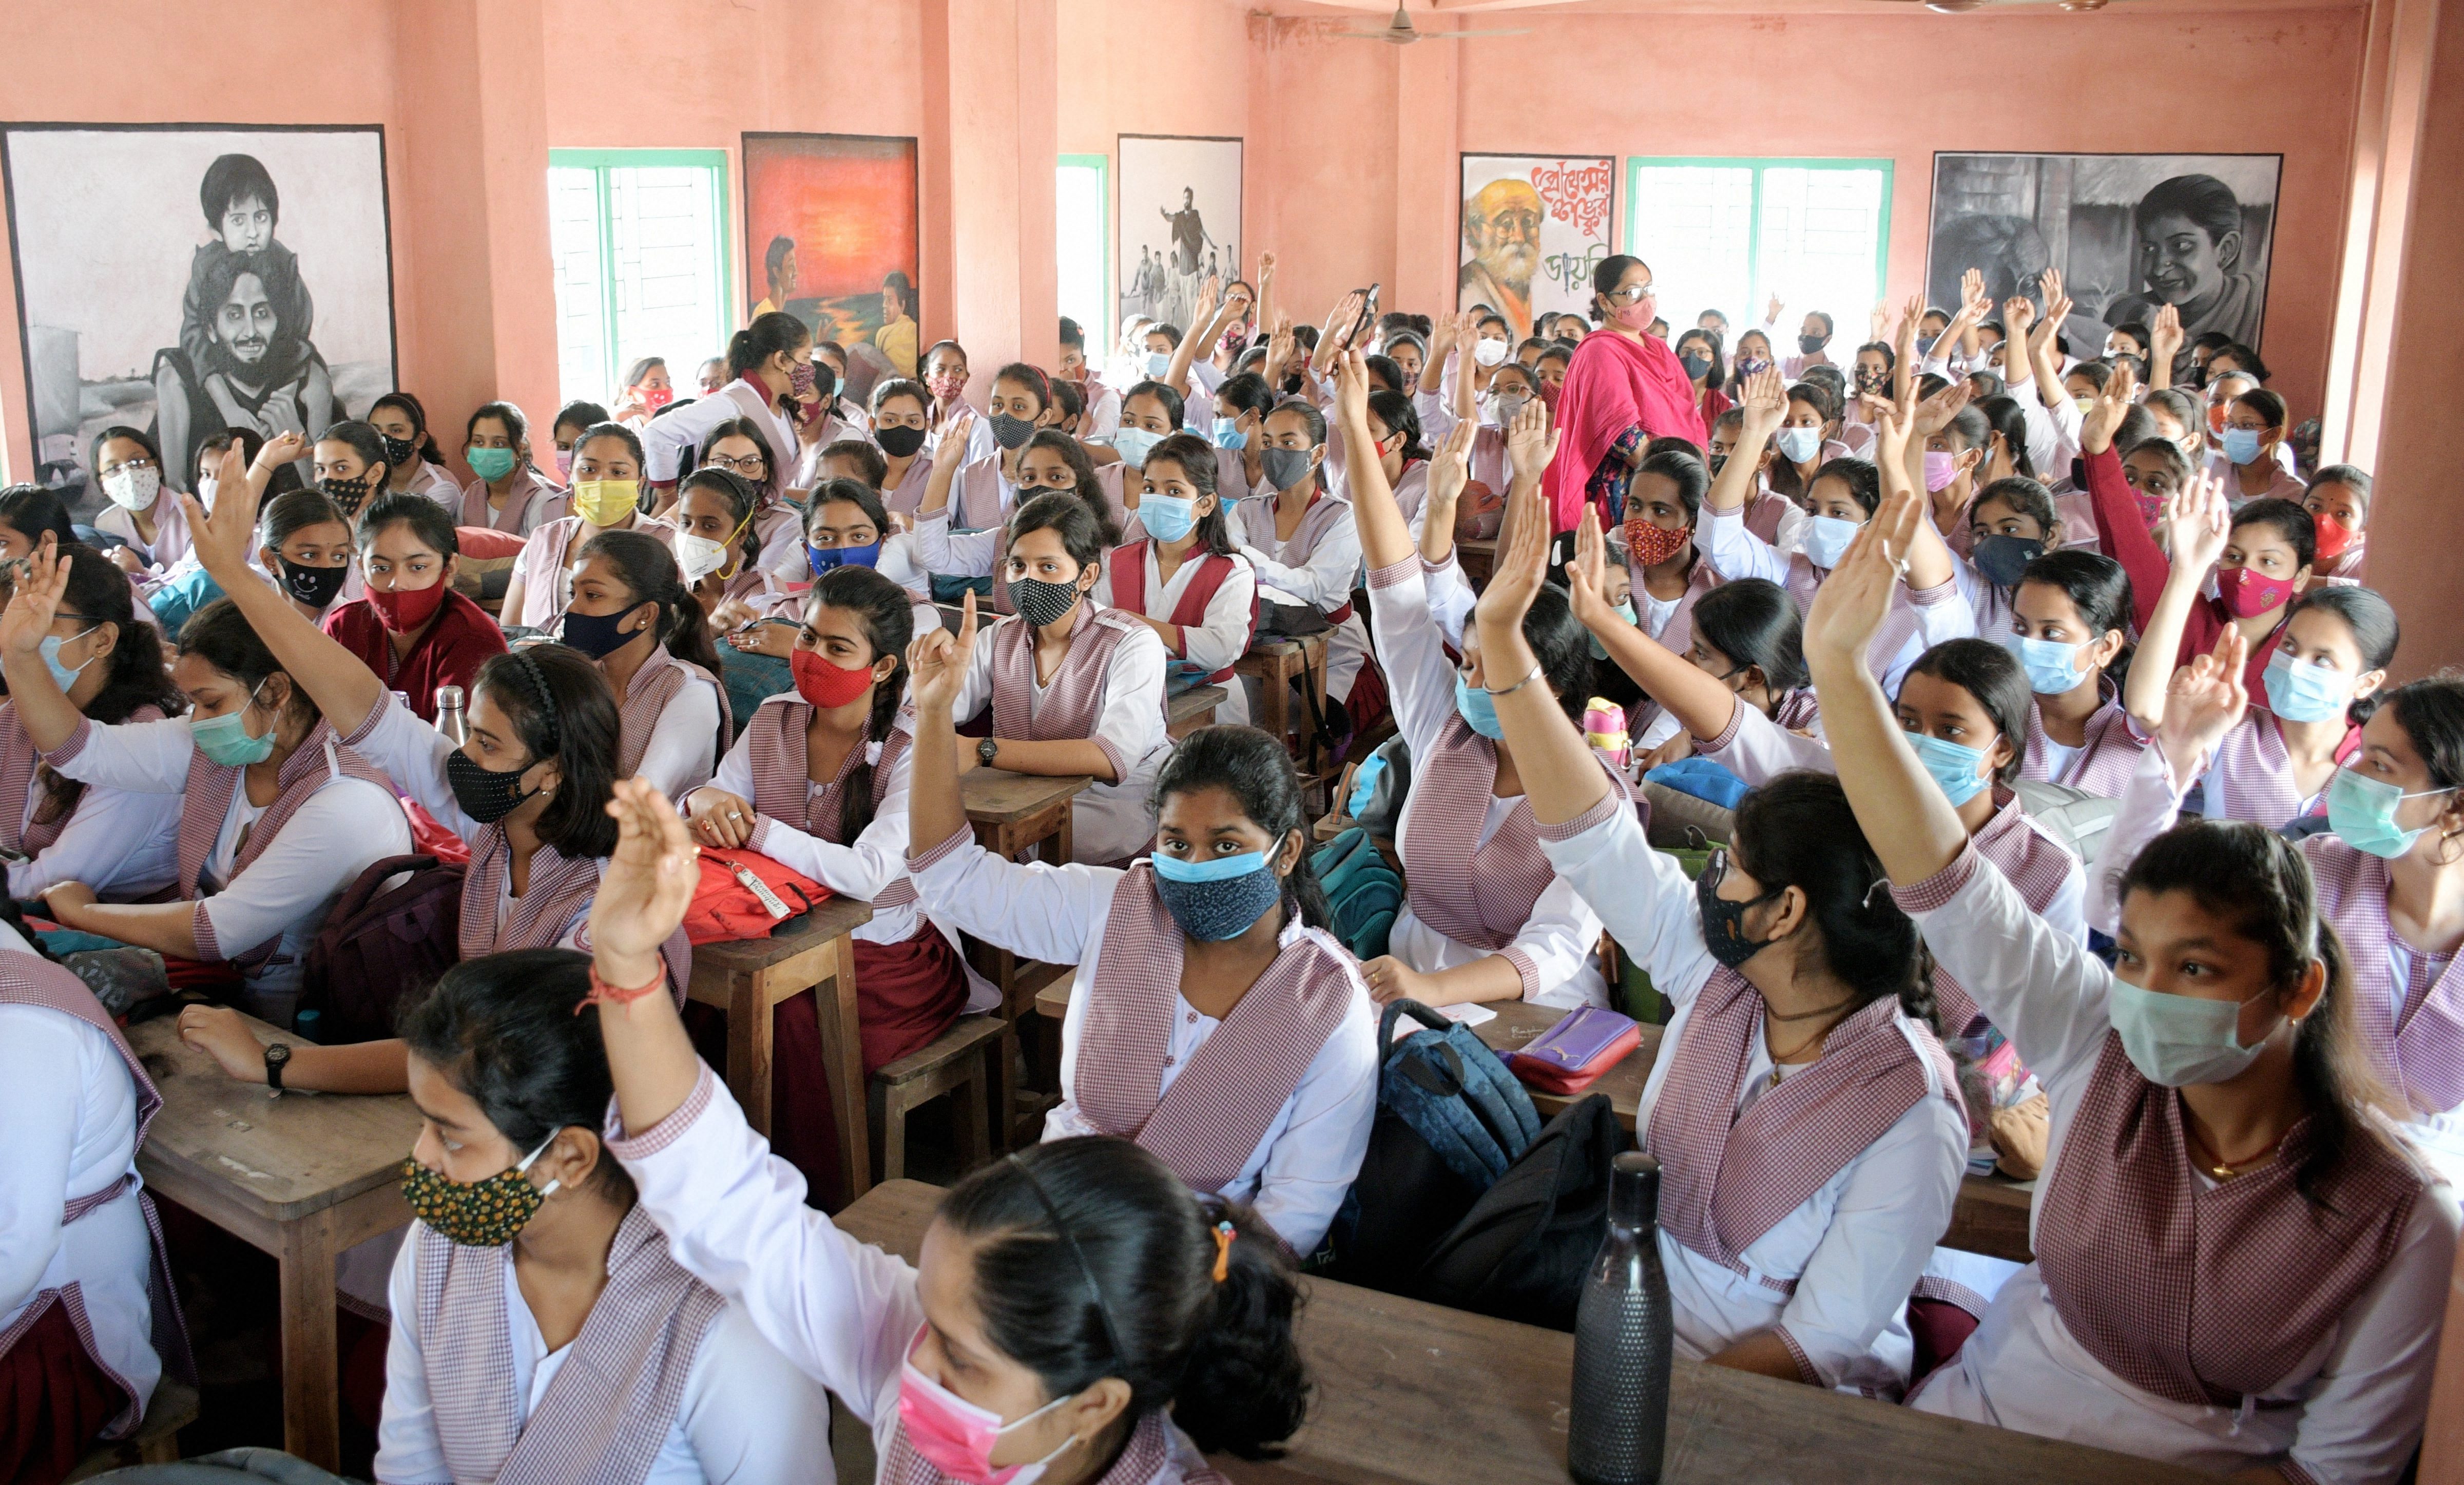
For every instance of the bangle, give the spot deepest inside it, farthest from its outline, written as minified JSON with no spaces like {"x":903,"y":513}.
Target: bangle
{"x":603,"y":993}
{"x":1517,"y":686}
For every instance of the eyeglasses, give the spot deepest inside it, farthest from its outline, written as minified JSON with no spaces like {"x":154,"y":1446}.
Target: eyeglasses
{"x":750,"y":464}
{"x":139,"y":463}
{"x":1632,"y":294}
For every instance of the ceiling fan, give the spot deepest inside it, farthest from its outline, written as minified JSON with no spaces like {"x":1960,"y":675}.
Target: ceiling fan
{"x":1400,"y":32}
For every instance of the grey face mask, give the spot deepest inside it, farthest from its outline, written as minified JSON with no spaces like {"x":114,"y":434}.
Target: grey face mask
{"x":1284,"y":467}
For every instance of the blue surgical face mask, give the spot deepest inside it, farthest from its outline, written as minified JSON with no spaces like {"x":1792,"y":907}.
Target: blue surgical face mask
{"x":1133,"y":444}
{"x":2300,"y":691}
{"x":1167,"y":517}
{"x":1624,"y":611}
{"x":1229,"y":434}
{"x":2241,"y":446}
{"x":2362,"y":812}
{"x":64,"y":676}
{"x":821,"y":559}
{"x":1799,"y":445}
{"x":1826,"y":541}
{"x":2052,"y":664}
{"x":1479,"y":710}
{"x":1958,"y":770}
{"x":226,"y":740}
{"x":1219,"y":898}
{"x":1157,"y":363}
{"x":2176,"y":1041}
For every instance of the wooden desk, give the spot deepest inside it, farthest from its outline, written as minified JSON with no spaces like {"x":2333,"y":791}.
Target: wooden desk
{"x":1990,"y":1217}
{"x":1276,"y":664}
{"x":1013,"y":814}
{"x":747,"y":977}
{"x":1412,"y":1392}
{"x":302,"y":1177}
{"x":1186,"y":711}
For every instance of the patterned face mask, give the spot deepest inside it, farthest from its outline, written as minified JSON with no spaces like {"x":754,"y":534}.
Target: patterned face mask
{"x":476,"y":1213}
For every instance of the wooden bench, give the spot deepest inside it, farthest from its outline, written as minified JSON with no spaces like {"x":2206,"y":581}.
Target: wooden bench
{"x":747,"y":978}
{"x":1192,"y":709}
{"x":172,"y":1408}
{"x":1013,"y":814}
{"x":1276,"y":664}
{"x":956,"y":1062}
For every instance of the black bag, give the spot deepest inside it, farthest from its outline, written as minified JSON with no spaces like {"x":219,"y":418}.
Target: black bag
{"x":1522,"y":1250}
{"x":380,"y":947}
{"x":1290,"y":620}
{"x":1451,"y":1121}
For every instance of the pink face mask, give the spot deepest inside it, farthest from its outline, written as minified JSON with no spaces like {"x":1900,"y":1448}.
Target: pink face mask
{"x":1941,"y":470}
{"x":956,"y":1437}
{"x":1639,"y":315}
{"x":2247,"y":593}
{"x":946,"y":386}
{"x":564,"y":465}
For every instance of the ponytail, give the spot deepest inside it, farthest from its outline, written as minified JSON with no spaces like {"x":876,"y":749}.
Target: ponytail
{"x":888,"y":623}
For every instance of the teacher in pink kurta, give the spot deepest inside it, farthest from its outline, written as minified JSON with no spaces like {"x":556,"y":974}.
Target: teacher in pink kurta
{"x":1623,"y":389}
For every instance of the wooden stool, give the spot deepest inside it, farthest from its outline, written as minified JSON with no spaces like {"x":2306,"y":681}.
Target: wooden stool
{"x":155,"y":1441}
{"x":953,"y":1063}
{"x":1192,"y":709}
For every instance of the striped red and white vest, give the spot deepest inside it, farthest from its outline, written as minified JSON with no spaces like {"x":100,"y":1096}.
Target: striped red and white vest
{"x":1127,"y":565}
{"x":782,"y":780}
{"x":646,"y":696}
{"x":2417,"y":1042}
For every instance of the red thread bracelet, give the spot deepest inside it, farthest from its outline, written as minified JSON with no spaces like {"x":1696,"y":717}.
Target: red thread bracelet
{"x":603,"y":993}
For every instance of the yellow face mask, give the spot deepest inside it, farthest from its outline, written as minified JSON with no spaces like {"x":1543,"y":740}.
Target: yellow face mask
{"x":605,"y":502}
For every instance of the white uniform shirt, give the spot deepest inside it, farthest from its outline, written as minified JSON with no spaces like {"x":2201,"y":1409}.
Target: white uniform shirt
{"x":1107,"y":821}
{"x":70,"y":1110}
{"x":1319,"y":575}
{"x":745,"y":1417}
{"x":842,"y":1312}
{"x":1856,"y":1247}
{"x":2350,"y":1412}
{"x":1297,"y":1175}
{"x":346,"y":826}
{"x":123,"y":844}
{"x":684,"y":741}
{"x":1561,"y":933}
{"x":1220,"y":636}
{"x":678,"y":431}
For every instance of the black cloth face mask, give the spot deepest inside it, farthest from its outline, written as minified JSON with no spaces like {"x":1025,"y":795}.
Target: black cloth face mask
{"x":314,"y":587}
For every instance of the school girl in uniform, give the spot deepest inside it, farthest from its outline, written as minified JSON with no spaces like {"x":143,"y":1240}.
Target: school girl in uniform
{"x":606,"y":496}
{"x":540,"y":1325}
{"x":1746,"y":639}
{"x":1051,"y":461}
{"x":1807,"y":1121}
{"x":304,"y":549}
{"x":121,"y":843}
{"x":1073,"y":686}
{"x":2206,"y":1137}
{"x":1844,"y":494}
{"x":88,"y":1321}
{"x":1185,"y":579}
{"x":274,"y":824}
{"x":741,"y":447}
{"x":573,"y":419}
{"x":899,"y":409}
{"x":1394,"y":442}
{"x":2070,"y":619}
{"x":1271,"y":1107}
{"x":2338,"y":503}
{"x":413,"y":465}
{"x":1300,"y":540}
{"x":820,"y":782}
{"x":718,"y":550}
{"x":409,"y":626}
{"x":632,"y":613}
{"x":1078,"y":1311}
{"x":142,"y":509}
{"x":770,"y":374}
{"x":1487,"y":918}
{"x":507,"y":492}
{"x":977,"y":493}
{"x":2322,"y":664}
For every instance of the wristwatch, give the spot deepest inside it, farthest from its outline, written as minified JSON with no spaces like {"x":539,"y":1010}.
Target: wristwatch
{"x":277,"y":1055}
{"x":987,"y":750}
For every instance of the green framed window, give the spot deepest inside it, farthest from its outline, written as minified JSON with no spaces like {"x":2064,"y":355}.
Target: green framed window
{"x":1728,"y":235}
{"x":641,"y":249}
{"x":1082,"y":245}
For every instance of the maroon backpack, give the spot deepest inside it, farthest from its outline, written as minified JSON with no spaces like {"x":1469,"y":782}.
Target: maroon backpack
{"x":381,"y":945}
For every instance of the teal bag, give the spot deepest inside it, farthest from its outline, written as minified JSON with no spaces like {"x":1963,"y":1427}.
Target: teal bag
{"x":1363,"y":894}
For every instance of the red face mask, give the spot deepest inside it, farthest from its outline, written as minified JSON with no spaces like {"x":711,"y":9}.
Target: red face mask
{"x":401,"y":610}
{"x":824,"y":685}
{"x":2248,"y":593}
{"x":2335,"y":538}
{"x":1648,"y":546}
{"x":655,"y":397}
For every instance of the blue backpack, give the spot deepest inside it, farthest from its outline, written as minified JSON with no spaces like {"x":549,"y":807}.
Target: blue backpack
{"x":1450,"y":1119}
{"x":1363,"y":894}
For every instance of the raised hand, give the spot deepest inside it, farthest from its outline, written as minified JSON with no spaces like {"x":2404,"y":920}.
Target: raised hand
{"x":1773,"y":312}
{"x":1935,"y":413}
{"x":1450,"y":465}
{"x":1586,"y":576}
{"x":1336,"y":334}
{"x":1971,"y":287}
{"x":2201,"y":521}
{"x":2111,"y":406}
{"x":2017,"y":314}
{"x":1849,"y":608}
{"x":937,"y":659}
{"x":1265,"y":271}
{"x":646,"y":886}
{"x":2201,"y":702}
{"x":1765,"y":399}
{"x":1352,"y":389}
{"x":1530,"y":443}
{"x":223,"y":539}
{"x":37,"y":600}
{"x":2164,"y":336}
{"x":1521,"y":567}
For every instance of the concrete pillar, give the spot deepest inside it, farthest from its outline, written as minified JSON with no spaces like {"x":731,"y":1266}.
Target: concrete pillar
{"x":993,"y":131}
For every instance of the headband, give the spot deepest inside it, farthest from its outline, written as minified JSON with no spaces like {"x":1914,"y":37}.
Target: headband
{"x":547,"y":703}
{"x":1094,"y":1291}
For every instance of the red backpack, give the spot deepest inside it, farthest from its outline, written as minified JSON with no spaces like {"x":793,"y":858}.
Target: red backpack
{"x":745,"y":894}
{"x":380,"y":946}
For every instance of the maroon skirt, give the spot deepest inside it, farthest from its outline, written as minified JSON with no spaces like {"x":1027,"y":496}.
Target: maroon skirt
{"x":54,"y":1400}
{"x":907,"y":995}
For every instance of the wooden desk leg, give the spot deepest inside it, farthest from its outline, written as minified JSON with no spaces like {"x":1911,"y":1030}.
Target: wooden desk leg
{"x":1276,"y":696}
{"x":311,"y":1401}
{"x":843,"y":1052}
{"x":748,"y":1050}
{"x":1313,"y":676}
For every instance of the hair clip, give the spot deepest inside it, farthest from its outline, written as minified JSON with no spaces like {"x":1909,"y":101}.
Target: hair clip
{"x":1880,"y":883}
{"x":1223,"y":1234}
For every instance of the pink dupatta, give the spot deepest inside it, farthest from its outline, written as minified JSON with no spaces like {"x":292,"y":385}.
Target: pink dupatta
{"x":1612,"y":384}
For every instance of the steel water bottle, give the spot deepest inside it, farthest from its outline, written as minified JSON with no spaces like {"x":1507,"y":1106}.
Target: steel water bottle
{"x":1623,"y":1329}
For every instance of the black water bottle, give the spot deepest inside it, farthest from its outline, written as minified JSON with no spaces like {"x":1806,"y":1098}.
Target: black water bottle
{"x":1621,"y":1339}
